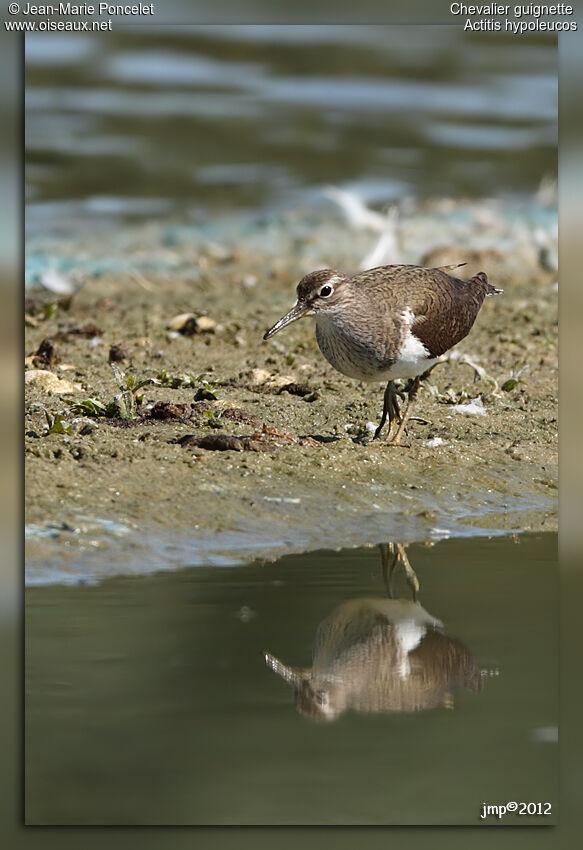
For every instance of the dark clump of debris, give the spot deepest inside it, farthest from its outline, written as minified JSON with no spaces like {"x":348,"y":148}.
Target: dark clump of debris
{"x":170,"y":410}
{"x":203,"y":394}
{"x":45,"y":355}
{"x":302,"y":390}
{"x":118,"y":353}
{"x":269,"y":439}
{"x":88,"y":330}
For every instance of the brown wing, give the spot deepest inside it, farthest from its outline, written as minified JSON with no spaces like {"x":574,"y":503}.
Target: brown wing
{"x":447,"y":313}
{"x":445,"y":307}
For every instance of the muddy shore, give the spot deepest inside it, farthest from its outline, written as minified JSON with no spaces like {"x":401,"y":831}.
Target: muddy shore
{"x":113,"y":486}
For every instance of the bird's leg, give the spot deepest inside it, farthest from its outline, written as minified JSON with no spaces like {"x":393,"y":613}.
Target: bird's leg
{"x":428,"y":372}
{"x":388,"y":565}
{"x":390,"y":407}
{"x":412,"y":579}
{"x":396,"y":440}
{"x":387,"y":408}
{"x":391,"y":555}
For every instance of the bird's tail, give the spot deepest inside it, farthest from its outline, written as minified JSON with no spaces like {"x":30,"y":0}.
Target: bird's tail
{"x":482,"y":279}
{"x":451,"y":267}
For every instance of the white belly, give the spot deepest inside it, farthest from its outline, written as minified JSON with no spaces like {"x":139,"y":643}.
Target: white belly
{"x":412,"y":360}
{"x":357,"y":358}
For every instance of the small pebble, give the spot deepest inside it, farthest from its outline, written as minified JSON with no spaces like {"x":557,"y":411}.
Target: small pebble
{"x":475,"y":407}
{"x":187,"y":324}
{"x":434,"y":442}
{"x":49,"y":382}
{"x":118,"y":353}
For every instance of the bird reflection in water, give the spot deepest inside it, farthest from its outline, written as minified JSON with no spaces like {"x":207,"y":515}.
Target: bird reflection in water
{"x":378,"y":654}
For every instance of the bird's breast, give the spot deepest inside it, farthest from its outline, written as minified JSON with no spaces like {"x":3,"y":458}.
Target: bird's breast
{"x":351,"y":349}
{"x":372,"y":350}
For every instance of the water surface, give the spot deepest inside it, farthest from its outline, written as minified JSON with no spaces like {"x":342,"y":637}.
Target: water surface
{"x":198,"y":121}
{"x":148,"y":700}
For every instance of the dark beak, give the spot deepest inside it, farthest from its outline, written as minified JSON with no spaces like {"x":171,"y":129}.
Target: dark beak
{"x":287,"y":673}
{"x":296,"y":312}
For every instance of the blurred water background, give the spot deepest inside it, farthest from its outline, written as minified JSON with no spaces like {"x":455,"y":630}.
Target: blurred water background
{"x":195,"y":122}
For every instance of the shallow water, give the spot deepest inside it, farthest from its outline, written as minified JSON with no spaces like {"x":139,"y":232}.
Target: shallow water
{"x":148,"y":699}
{"x":196,"y":121}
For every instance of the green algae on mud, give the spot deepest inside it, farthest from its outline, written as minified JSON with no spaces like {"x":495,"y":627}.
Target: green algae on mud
{"x":313,"y":481}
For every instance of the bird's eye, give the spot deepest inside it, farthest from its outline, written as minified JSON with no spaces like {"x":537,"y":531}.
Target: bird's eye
{"x":326,"y":291}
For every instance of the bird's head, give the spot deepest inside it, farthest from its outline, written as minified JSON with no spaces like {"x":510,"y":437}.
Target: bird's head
{"x":318,"y":292}
{"x":319,"y":698}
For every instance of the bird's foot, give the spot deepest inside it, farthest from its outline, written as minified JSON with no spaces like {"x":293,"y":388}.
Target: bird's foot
{"x":404,"y":418}
{"x":395,"y":440}
{"x":393,"y":427}
{"x":377,"y":433}
{"x":395,"y":434}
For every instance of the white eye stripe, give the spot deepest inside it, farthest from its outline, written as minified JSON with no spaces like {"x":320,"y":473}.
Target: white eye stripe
{"x":333,"y":279}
